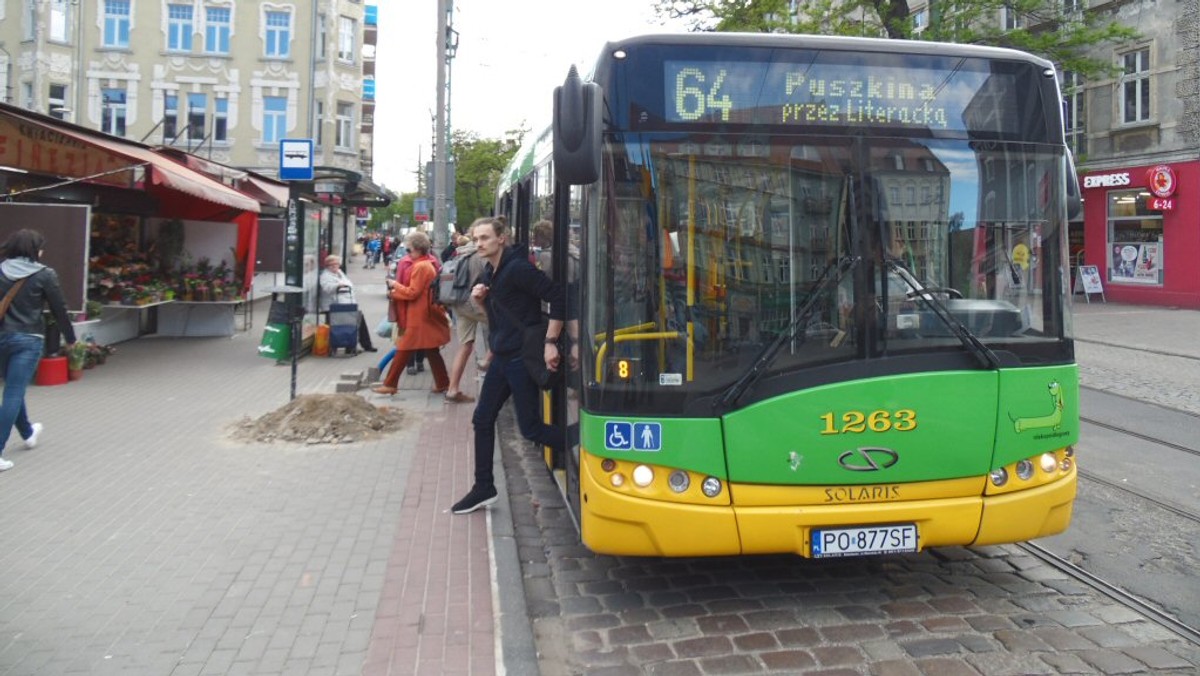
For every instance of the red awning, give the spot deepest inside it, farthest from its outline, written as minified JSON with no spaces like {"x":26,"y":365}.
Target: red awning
{"x":275,"y":191}
{"x":171,"y":174}
{"x":52,"y":144}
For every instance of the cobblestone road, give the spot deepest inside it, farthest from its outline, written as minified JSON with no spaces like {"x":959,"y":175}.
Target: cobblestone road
{"x":991,"y":610}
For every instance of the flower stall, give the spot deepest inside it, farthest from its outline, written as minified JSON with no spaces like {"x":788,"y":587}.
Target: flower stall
{"x":165,"y":276}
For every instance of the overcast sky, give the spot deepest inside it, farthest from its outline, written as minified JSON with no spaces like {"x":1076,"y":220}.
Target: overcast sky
{"x":510,"y":57}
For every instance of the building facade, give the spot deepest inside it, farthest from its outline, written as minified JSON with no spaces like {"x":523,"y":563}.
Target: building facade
{"x":1135,"y":136}
{"x":222,"y":79}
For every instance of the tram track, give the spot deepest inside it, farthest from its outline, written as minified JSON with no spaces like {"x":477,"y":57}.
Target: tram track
{"x":1127,"y":599}
{"x":1125,"y":488}
{"x":1170,"y":507}
{"x":1144,"y":437}
{"x":1165,"y":353}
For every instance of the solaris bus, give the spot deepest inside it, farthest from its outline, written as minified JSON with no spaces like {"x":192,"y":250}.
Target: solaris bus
{"x":821,"y":291}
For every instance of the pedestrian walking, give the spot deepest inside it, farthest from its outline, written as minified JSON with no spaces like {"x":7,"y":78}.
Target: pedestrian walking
{"x":470,"y":318}
{"x":511,"y":281}
{"x":426,"y":325}
{"x":27,"y":287}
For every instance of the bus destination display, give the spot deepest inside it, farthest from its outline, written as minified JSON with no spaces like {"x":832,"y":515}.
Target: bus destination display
{"x":836,"y":94}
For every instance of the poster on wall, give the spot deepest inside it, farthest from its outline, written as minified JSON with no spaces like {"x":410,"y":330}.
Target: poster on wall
{"x":1137,"y":263}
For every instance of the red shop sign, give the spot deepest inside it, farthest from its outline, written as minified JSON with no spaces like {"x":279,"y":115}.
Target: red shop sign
{"x":1161,"y":180}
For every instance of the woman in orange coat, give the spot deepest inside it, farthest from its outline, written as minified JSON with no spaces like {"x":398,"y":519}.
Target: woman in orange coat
{"x":426,"y":326}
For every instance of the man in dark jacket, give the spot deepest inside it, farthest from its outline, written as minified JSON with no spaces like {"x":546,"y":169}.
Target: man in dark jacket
{"x":512,"y":291}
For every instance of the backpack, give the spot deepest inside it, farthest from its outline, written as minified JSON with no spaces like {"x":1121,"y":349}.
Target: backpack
{"x":453,"y":285}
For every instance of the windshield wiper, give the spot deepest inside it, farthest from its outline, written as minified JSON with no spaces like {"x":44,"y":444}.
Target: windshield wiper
{"x":983,"y":353}
{"x":768,"y":353}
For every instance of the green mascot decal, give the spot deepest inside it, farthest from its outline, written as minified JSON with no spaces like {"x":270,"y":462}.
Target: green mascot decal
{"x":1053,"y":420}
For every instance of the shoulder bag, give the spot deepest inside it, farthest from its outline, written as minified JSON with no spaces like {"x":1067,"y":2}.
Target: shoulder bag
{"x":8,"y":297}
{"x":533,"y":350}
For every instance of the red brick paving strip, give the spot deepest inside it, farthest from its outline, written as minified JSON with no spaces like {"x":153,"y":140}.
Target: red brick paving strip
{"x":435,"y":615}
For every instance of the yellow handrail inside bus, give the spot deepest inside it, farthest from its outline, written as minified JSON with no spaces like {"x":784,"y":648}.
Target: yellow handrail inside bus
{"x":627,"y":330}
{"x":656,"y":335}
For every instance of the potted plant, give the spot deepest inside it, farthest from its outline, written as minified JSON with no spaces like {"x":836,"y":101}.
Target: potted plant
{"x":76,"y":355}
{"x":93,"y":308}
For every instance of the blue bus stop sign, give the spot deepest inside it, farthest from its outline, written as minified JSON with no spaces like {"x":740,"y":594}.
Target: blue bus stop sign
{"x":296,"y":159}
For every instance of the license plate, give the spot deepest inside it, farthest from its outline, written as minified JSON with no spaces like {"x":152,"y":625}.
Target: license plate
{"x":830,"y":542}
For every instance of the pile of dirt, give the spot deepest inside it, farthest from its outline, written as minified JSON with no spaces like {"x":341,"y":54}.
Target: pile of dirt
{"x":321,"y":419}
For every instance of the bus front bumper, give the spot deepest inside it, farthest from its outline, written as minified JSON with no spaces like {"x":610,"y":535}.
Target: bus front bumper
{"x":618,"y":523}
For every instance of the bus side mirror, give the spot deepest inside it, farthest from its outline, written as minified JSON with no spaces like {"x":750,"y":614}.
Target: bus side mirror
{"x":578,"y":115}
{"x":1074,"y":198}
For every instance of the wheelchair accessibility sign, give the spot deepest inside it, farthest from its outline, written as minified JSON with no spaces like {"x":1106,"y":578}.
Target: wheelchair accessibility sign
{"x":636,"y":436}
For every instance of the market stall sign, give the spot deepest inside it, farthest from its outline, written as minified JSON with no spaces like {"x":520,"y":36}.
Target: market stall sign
{"x":41,"y":149}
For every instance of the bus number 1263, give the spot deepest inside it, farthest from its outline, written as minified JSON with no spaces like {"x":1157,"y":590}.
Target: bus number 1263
{"x":857,"y":422}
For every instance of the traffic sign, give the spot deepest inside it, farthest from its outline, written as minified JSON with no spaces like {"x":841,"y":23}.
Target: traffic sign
{"x":296,"y":159}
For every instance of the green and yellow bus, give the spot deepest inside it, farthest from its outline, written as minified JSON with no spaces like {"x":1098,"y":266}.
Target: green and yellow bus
{"x":822,"y":293}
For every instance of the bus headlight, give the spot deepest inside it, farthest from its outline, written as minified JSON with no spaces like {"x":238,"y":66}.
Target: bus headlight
{"x":643,"y":476}
{"x":711,"y":487}
{"x":617,"y":480}
{"x":1049,"y":462}
{"x":679,"y":481}
{"x":999,"y":477}
{"x":1066,"y":465}
{"x":1024,"y":470}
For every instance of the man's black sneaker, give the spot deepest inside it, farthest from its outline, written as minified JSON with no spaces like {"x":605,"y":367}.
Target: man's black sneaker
{"x":478,"y":497}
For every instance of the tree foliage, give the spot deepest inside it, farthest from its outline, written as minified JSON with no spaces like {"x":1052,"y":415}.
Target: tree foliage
{"x":479,"y":165}
{"x":1042,"y":27}
{"x":394,"y":215}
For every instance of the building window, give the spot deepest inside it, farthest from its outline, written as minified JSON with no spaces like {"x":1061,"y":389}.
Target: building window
{"x":1135,"y":238}
{"x":216,"y":30}
{"x":170,"y":117}
{"x":56,"y":104}
{"x":197,"y":116}
{"x":278,"y":25}
{"x":319,"y":122}
{"x":1074,"y":114}
{"x":112,"y":117}
{"x":29,"y":17}
{"x":322,"y":36}
{"x":274,"y":118}
{"x":920,"y":20}
{"x":1011,"y":19}
{"x":345,"y":126}
{"x":1135,"y":86}
{"x":1071,"y":7}
{"x":347,"y":31}
{"x":221,"y":120}
{"x":179,"y":28}
{"x":60,"y":21}
{"x":116,"y":24}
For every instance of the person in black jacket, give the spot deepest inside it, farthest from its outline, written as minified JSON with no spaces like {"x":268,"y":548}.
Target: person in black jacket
{"x":511,"y":281}
{"x":21,"y":339}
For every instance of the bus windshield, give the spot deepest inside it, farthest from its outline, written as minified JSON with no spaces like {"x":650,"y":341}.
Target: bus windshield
{"x":705,"y":246}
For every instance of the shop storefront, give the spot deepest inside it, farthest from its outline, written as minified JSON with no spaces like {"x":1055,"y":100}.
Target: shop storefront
{"x":1142,"y":231}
